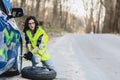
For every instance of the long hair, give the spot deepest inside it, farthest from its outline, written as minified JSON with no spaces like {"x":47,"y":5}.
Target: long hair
{"x":26,"y":26}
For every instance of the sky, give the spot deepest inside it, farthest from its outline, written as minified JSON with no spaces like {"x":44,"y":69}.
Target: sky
{"x":76,"y":7}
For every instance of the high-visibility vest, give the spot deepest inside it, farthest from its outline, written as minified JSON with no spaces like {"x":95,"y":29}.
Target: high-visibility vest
{"x":33,"y":39}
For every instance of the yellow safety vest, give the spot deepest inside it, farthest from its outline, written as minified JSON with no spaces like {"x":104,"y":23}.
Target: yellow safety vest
{"x":33,"y":39}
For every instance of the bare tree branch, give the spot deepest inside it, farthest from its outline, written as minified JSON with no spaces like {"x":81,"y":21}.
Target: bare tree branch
{"x":101,"y":1}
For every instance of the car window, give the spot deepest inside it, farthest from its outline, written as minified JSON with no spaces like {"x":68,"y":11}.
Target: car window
{"x":2,"y":7}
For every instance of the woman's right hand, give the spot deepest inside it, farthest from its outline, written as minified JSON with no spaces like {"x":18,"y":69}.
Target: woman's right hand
{"x":28,"y":55}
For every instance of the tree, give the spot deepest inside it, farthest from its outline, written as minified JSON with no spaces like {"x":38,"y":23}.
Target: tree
{"x":55,"y":12}
{"x":89,"y":20}
{"x":38,"y":7}
{"x":109,"y":16}
{"x":23,"y":3}
{"x":116,"y":24}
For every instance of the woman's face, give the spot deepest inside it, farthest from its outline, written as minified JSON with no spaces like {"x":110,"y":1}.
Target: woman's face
{"x":31,"y":24}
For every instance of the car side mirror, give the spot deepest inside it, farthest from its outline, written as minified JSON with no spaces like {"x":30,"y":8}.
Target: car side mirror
{"x":17,"y":12}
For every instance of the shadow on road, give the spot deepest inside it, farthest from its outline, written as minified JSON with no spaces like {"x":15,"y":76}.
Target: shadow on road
{"x":8,"y":74}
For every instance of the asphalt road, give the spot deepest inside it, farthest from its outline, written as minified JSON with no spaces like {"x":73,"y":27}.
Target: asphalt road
{"x":83,"y":57}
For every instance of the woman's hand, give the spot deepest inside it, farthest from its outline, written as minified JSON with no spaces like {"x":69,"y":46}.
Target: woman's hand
{"x":32,"y":50}
{"x":29,"y":47}
{"x":35,"y":50}
{"x":28,"y":55}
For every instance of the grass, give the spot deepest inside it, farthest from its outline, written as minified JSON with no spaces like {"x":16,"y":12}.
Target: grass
{"x":54,"y":29}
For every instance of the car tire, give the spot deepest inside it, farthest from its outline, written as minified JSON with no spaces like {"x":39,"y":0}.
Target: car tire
{"x":19,"y":58}
{"x":38,"y":73}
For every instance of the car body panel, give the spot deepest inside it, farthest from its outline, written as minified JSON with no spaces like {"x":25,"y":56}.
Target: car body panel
{"x":9,"y":40}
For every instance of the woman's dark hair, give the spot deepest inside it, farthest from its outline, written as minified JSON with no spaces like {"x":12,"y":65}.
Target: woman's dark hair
{"x":26,"y":26}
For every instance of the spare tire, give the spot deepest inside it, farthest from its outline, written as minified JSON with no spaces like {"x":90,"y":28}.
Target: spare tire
{"x":38,"y":73}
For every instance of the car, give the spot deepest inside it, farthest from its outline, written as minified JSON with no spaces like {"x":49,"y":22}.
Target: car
{"x":10,"y":39}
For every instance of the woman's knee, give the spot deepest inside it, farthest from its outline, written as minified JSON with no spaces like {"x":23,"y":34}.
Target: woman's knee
{"x":35,"y":59}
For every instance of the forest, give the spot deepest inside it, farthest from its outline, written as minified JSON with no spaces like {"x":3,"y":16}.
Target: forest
{"x":100,"y":16}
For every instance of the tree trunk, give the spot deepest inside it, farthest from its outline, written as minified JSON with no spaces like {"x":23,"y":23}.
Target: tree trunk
{"x":44,"y":9}
{"x":109,"y":16}
{"x":38,"y":7}
{"x":55,"y":12}
{"x":90,"y":23}
{"x":33,"y":7}
{"x":98,"y":21}
{"x":23,"y":3}
{"x":55,"y":7}
{"x":117,"y":18}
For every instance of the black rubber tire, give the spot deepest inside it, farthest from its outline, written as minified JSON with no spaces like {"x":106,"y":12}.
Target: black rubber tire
{"x":38,"y":73}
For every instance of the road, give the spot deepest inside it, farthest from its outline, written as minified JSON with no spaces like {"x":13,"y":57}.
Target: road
{"x":83,"y":57}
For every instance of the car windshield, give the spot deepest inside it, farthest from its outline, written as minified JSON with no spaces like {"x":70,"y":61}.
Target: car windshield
{"x":2,"y":7}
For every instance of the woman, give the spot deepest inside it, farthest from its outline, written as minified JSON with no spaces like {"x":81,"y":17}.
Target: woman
{"x":36,"y":40}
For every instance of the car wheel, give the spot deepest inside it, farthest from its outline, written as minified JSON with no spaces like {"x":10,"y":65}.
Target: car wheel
{"x":19,"y":58}
{"x":38,"y":73}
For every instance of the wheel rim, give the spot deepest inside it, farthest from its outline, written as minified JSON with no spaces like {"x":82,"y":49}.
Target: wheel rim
{"x":19,"y":61}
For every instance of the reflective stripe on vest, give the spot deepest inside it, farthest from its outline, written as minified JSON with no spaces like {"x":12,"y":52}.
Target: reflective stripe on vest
{"x":43,"y":54}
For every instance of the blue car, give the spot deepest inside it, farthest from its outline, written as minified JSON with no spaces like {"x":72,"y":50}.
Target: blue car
{"x":10,"y":39}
